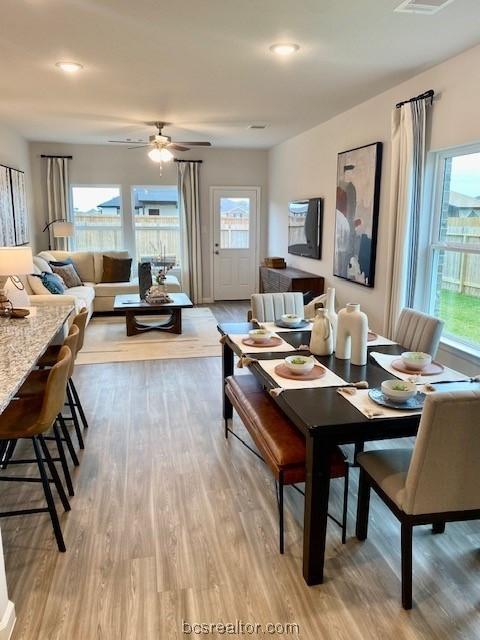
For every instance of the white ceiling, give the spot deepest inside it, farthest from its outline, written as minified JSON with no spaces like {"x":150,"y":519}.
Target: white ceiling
{"x":205,"y":64}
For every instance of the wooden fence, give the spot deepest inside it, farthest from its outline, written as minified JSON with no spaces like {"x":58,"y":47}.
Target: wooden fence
{"x":461,"y":271}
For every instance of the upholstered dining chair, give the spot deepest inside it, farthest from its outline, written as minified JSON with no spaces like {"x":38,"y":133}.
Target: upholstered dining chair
{"x":268,"y":307}
{"x":29,"y":418}
{"x":418,"y":331}
{"x":435,"y":483}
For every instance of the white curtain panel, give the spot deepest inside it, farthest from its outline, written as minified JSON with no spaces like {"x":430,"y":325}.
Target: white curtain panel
{"x":406,"y":187}
{"x":189,"y":203}
{"x":57,"y":197}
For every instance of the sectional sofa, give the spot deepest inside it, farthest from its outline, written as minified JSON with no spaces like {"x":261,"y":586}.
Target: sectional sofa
{"x":94,"y":294}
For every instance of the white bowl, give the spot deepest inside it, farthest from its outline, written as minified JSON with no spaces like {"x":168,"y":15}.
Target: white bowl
{"x":299,"y":365}
{"x":291,"y":319}
{"x":260,"y":335}
{"x":416,"y":360}
{"x":398,"y":390}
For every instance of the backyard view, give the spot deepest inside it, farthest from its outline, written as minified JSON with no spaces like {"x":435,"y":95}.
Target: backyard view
{"x":457,"y":276}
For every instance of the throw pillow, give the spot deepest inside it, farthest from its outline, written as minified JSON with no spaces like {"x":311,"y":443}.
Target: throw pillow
{"x":64,"y":263}
{"x":53,"y":283}
{"x":68,"y":274}
{"x":116,"y":269}
{"x":36,"y":284}
{"x":41,"y":264}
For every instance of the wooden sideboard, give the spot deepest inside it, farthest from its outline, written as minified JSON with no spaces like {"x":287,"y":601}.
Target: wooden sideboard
{"x":289,"y":279}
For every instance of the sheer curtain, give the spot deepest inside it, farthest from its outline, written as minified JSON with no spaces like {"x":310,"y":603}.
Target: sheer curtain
{"x":57,"y":197}
{"x":189,"y":203}
{"x":409,"y":123}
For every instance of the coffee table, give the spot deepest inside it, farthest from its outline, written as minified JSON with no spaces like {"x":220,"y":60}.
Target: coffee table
{"x":133,"y":306}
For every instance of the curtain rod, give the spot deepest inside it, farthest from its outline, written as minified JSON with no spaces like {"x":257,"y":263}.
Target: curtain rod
{"x":180,"y":160}
{"x":423,"y":96}
{"x":66,"y":157}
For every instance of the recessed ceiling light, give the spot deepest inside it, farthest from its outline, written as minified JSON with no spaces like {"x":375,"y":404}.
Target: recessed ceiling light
{"x":284,"y":48}
{"x":69,"y":67}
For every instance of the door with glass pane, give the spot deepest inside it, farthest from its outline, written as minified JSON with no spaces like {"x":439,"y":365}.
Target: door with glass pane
{"x":235,"y":213}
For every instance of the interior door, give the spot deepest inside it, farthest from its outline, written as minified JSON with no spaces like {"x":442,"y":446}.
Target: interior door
{"x":235,"y":212}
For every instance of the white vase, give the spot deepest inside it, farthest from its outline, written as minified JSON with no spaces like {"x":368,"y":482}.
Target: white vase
{"x":352,"y":335}
{"x":321,"y":339}
{"x":332,"y":315}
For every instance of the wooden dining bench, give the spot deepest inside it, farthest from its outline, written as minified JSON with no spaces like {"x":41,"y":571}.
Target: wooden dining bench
{"x":280,"y":444}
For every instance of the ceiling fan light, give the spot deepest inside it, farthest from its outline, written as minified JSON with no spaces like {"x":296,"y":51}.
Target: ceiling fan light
{"x":166,"y":155}
{"x":155,"y":155}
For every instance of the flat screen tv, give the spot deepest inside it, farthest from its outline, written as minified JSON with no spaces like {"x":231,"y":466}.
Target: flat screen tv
{"x":305,"y":228}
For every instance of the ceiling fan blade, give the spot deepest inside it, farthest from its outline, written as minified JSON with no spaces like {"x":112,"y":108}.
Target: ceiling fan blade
{"x":127,"y":141}
{"x":196,"y":144}
{"x":177,"y":147}
{"x":141,"y":146}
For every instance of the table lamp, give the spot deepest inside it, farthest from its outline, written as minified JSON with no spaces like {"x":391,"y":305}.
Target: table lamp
{"x":14,"y":261}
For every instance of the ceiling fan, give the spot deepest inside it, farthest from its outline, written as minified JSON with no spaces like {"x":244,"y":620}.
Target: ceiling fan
{"x":162,"y":145}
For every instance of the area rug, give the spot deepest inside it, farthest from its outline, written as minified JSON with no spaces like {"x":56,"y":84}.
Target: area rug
{"x":106,"y":340}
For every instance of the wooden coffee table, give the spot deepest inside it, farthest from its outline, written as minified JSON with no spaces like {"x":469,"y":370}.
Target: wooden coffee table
{"x":132,"y":306}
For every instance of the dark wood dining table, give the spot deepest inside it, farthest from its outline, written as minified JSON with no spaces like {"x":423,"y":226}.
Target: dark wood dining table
{"x":326,"y":419}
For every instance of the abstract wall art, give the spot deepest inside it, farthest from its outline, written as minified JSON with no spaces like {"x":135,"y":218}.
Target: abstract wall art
{"x":356,"y":216}
{"x":13,"y":208}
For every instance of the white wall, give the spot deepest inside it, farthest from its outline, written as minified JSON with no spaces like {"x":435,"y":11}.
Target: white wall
{"x":103,"y":164}
{"x":305,"y":165}
{"x":14,"y":153}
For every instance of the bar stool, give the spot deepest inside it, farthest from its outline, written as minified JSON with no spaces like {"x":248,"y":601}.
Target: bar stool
{"x":50,"y":357}
{"x":35,"y":385}
{"x":29,"y":418}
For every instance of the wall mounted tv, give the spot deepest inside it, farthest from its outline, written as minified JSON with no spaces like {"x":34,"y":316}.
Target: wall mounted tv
{"x":305,"y":219}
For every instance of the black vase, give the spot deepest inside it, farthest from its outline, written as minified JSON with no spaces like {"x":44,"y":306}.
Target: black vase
{"x":144,"y":278}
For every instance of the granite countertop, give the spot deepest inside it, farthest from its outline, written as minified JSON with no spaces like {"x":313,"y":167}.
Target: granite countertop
{"x":22,"y":342}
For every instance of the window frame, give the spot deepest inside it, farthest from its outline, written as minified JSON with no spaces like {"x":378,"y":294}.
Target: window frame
{"x":435,"y":174}
{"x":98,"y":186}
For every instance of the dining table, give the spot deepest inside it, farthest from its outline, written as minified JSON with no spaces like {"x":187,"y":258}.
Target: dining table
{"x":23,"y":341}
{"x":325,"y":417}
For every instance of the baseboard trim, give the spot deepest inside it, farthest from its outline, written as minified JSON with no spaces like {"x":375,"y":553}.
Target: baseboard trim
{"x":8,"y":621}
{"x":208,"y":300}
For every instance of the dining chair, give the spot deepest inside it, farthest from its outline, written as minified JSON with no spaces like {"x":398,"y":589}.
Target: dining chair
{"x":268,"y":307}
{"x":436,"y":482}
{"x":417,"y":331}
{"x":28,"y":418}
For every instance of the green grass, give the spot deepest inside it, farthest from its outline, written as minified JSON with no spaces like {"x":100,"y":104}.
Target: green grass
{"x":461,"y":314}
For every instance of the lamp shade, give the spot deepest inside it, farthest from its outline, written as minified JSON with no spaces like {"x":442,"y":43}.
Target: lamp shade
{"x":15,"y":261}
{"x":62,"y":230}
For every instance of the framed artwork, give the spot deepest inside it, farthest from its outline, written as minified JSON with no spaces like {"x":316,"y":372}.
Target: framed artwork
{"x":7,"y":226}
{"x":19,"y":207}
{"x":13,"y":208}
{"x":356,"y":215}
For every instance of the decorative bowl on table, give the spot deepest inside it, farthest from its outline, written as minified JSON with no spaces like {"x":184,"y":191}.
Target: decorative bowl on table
{"x":416,"y":360}
{"x":299,"y":365}
{"x":260,"y":335}
{"x":398,"y":390}
{"x":291,"y":319}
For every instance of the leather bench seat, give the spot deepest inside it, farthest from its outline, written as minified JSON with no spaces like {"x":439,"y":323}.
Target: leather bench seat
{"x":280,"y":443}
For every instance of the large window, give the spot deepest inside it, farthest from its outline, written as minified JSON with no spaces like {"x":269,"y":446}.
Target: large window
{"x":156,"y":222}
{"x":97,"y":216}
{"x":454,"y":292}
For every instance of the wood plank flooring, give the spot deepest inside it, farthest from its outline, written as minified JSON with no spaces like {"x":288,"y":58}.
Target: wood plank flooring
{"x":172,"y":523}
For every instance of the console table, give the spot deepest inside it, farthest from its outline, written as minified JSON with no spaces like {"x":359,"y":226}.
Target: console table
{"x":289,"y":279}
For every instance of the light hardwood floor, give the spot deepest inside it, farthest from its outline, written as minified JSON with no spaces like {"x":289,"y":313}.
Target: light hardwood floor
{"x":171,"y":522}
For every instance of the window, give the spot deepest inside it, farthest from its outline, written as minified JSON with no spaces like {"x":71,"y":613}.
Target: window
{"x":455,"y":246}
{"x":234,"y":223}
{"x":156,"y":222}
{"x":97,"y":216}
